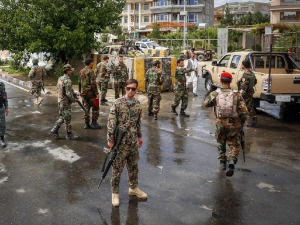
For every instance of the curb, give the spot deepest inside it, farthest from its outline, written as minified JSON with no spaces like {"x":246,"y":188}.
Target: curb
{"x":21,"y":83}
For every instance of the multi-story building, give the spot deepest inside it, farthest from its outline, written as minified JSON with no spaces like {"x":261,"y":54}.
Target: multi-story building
{"x":239,"y":9}
{"x":137,"y":14}
{"x":285,"y":11}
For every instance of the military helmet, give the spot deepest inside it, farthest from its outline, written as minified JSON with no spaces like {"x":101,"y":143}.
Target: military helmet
{"x":35,"y":61}
{"x":68,"y":67}
{"x":156,"y":62}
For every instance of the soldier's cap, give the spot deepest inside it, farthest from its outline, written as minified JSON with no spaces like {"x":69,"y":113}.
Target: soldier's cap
{"x":156,"y":62}
{"x":226,"y":75}
{"x":88,"y":61}
{"x":68,"y":66}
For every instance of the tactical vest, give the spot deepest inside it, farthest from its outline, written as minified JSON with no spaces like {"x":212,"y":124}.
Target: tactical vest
{"x":226,"y":104}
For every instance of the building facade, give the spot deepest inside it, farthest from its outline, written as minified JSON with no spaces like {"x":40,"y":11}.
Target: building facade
{"x":285,"y":11}
{"x":137,"y":14}
{"x":240,"y":9}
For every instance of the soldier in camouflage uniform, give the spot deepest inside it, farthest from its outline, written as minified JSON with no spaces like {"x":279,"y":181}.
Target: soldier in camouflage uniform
{"x":102,"y":73}
{"x":120,"y":77}
{"x":180,"y":90}
{"x":89,"y":92}
{"x":65,"y":100}
{"x":126,"y":113}
{"x":3,"y":113}
{"x":228,"y":129}
{"x":246,"y":86}
{"x":36,"y":75}
{"x":154,"y":79}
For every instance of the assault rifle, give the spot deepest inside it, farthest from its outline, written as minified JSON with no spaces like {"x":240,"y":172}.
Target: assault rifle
{"x":243,"y":143}
{"x":78,"y":101}
{"x":212,"y":88}
{"x":115,"y":152}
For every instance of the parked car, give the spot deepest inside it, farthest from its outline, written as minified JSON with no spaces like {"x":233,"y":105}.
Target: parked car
{"x":148,"y":44}
{"x":202,"y":54}
{"x":278,"y":81}
{"x":130,"y":50}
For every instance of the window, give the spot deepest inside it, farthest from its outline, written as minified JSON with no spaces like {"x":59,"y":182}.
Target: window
{"x":224,"y":61}
{"x":235,"y":61}
{"x":146,"y":19}
{"x":272,"y":62}
{"x":105,"y":50}
{"x":181,"y":18}
{"x":192,"y":18}
{"x":259,"y":61}
{"x":174,"y":16}
{"x":289,"y":15}
{"x":136,"y":19}
{"x":161,"y":17}
{"x":280,"y":62}
{"x":125,"y":19}
{"x":193,"y":2}
{"x":146,"y":6}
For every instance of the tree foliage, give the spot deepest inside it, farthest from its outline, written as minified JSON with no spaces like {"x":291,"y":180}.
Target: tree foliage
{"x":155,"y":32}
{"x":228,"y":18}
{"x":253,"y":18}
{"x":62,"y":28}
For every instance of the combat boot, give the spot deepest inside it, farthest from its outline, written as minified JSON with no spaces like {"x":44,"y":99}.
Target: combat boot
{"x":230,"y":170}
{"x":95,"y":125}
{"x":115,"y":199}
{"x":39,"y":100}
{"x":71,"y":136}
{"x":138,"y":193}
{"x":3,"y":142}
{"x":150,"y":113}
{"x":182,"y":113}
{"x":155,"y":116}
{"x":253,"y":124}
{"x":103,"y":102}
{"x":54,"y":131}
{"x":173,"y":110}
{"x":87,"y":126}
{"x":222,"y":165}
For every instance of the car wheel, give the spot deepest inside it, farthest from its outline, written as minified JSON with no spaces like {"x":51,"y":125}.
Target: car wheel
{"x":201,"y":58}
{"x":208,"y":82}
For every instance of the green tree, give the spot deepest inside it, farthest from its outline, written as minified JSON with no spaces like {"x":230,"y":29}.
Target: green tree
{"x":155,"y":33}
{"x":228,"y":18}
{"x":62,"y":28}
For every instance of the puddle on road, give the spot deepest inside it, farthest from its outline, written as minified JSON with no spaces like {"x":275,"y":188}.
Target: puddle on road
{"x":270,"y":187}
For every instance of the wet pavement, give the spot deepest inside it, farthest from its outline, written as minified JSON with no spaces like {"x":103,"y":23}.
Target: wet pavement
{"x":49,"y":181}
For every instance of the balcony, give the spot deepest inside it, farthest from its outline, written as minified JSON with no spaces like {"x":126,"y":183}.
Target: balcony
{"x":136,"y":12}
{"x":169,"y":8}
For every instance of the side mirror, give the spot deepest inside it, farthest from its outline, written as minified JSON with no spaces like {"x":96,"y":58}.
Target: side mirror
{"x":214,"y":63}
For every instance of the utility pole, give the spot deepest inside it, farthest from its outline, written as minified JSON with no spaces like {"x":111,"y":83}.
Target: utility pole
{"x":184,"y":24}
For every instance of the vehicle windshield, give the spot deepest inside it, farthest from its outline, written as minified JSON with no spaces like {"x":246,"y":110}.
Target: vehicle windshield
{"x":151,"y":44}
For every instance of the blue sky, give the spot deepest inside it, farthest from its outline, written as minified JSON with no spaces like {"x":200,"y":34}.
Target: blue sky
{"x":222,"y":2}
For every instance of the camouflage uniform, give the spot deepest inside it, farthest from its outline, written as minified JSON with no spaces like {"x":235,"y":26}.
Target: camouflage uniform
{"x":126,"y":115}
{"x":154,"y":79}
{"x":228,"y":129}
{"x":36,"y":75}
{"x":246,"y":85}
{"x":120,"y":76}
{"x":65,"y":99}
{"x":88,"y":90}
{"x":180,"y":90}
{"x":102,"y":70}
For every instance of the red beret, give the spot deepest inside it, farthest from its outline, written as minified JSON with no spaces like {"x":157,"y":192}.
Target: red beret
{"x":226,"y":75}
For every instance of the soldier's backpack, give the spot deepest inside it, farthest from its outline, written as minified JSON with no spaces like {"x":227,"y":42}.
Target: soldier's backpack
{"x":226,"y":104}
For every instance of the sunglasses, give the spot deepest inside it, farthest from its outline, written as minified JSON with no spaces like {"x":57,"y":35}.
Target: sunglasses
{"x":132,"y":88}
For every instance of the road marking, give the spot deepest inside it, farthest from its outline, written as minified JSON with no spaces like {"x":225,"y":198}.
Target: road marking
{"x":270,"y":187}
{"x":14,"y":85}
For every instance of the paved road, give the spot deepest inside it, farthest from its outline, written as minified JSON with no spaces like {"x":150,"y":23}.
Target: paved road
{"x":48,"y":181}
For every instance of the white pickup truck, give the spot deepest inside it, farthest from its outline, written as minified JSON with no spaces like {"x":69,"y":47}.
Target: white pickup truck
{"x":278,"y":82}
